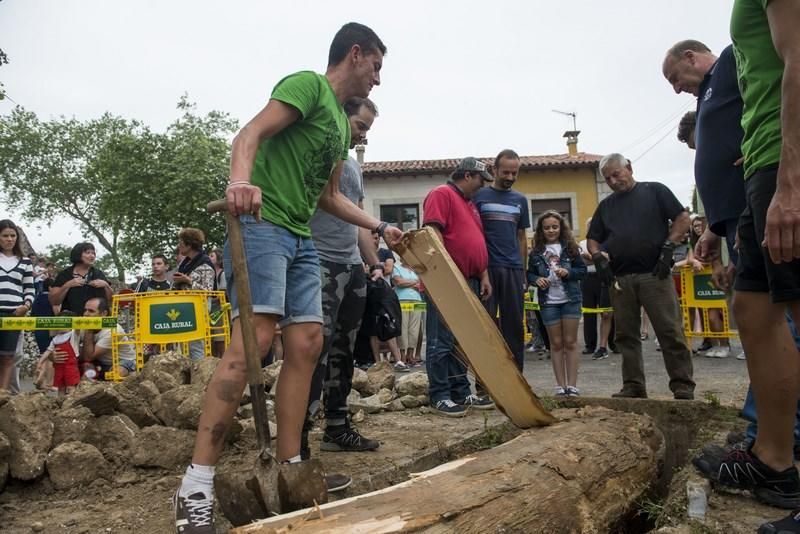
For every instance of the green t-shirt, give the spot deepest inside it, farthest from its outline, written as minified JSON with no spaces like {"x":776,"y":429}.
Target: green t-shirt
{"x":292,"y":167}
{"x":760,"y":72}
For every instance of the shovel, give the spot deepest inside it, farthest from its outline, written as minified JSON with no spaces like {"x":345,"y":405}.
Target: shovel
{"x":259,"y":486}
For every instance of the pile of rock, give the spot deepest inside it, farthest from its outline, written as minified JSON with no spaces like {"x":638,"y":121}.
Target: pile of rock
{"x":149,"y":420}
{"x":377,"y":389}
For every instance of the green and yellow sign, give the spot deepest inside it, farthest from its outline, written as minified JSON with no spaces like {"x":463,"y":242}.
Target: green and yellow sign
{"x":173,"y":318}
{"x":699,"y":291}
{"x":168,"y":319}
{"x":704,"y":289}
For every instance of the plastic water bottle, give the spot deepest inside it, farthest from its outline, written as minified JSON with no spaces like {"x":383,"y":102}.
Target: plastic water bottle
{"x":696,"y":492}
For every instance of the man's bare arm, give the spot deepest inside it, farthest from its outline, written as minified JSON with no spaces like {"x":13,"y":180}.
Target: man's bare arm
{"x":366,"y":245}
{"x":592,"y":247}
{"x":782,"y":230}
{"x":679,"y":227}
{"x":334,"y":202}
{"x":241,"y":196}
{"x":275,"y":116}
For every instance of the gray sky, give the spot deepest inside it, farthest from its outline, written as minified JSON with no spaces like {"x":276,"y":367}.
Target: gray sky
{"x":460,"y":77}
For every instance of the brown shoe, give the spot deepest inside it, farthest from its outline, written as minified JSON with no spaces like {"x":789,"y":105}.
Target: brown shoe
{"x":683,"y":394}
{"x":630,"y":394}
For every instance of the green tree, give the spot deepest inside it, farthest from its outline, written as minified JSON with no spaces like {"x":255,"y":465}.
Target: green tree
{"x":3,"y":61}
{"x":129,"y":188}
{"x":59,"y":255}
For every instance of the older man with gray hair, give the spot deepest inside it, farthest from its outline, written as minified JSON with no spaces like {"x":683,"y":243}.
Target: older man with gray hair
{"x":639,"y":225}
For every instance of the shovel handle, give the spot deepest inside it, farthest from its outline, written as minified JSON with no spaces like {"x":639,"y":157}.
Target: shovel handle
{"x":242,"y":283}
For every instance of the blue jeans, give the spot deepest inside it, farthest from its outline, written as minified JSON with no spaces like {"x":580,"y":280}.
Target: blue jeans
{"x":447,"y":375}
{"x":284,"y":273}
{"x":749,"y":408}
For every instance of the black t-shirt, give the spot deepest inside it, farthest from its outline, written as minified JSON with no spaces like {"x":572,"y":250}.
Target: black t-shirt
{"x":76,"y":297}
{"x":718,"y":137}
{"x":634,"y":225}
{"x":149,"y":284}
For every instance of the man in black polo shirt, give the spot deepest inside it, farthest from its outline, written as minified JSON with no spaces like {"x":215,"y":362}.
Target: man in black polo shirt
{"x":690,"y":67}
{"x":633,"y":224}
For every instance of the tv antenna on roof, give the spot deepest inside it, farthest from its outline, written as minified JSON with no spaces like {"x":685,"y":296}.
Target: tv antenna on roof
{"x":572,"y":114}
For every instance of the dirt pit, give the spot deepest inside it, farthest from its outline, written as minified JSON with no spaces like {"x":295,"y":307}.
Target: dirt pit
{"x":139,"y":499}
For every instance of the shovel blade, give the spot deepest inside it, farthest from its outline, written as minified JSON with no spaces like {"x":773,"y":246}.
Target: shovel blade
{"x":301,"y":485}
{"x":255,"y":488}
{"x":238,"y":487}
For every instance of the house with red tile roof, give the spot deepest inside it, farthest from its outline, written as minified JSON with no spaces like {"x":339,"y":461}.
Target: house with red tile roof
{"x":568,"y":183}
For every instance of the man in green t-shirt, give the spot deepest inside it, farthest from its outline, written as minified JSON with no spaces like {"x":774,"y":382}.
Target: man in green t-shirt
{"x":767,"y":49}
{"x":284,"y":163}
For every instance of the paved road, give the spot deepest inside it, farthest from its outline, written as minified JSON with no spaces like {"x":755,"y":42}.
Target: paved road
{"x":726,"y":378}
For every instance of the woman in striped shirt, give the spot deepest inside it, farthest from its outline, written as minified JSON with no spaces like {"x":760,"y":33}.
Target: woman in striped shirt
{"x":16,"y":294}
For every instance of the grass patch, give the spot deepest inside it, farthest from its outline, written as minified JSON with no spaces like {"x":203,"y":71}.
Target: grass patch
{"x":492,"y":436}
{"x":711,"y":398}
{"x":653,"y":510}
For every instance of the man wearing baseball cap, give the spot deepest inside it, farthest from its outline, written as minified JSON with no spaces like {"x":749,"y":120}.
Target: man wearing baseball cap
{"x":449,"y":210}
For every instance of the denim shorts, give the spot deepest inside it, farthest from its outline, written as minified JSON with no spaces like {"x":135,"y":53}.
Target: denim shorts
{"x":553,"y":313}
{"x":284,"y":273}
{"x":8,"y":338}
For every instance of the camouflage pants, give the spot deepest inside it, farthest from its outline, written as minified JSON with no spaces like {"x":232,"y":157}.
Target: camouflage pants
{"x":344,"y":296}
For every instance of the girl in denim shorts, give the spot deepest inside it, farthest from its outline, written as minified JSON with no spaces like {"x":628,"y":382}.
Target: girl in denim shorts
{"x":555,"y":267}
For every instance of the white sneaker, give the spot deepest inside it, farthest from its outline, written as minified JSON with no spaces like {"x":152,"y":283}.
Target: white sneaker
{"x":741,"y":356}
{"x":723,"y":351}
{"x":718,"y":352}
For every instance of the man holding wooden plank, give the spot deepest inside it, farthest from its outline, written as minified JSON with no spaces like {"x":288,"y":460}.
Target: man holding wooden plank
{"x":449,"y":210}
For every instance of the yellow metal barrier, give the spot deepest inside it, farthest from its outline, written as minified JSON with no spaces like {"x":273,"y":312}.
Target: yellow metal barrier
{"x":166,"y":317}
{"x":698,"y":292}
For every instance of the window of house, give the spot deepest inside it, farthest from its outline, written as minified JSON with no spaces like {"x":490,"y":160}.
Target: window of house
{"x":404,"y":216}
{"x":560,"y":205}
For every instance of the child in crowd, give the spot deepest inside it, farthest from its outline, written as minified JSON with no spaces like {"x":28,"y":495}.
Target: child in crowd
{"x":555,"y":267}
{"x":66,"y":374}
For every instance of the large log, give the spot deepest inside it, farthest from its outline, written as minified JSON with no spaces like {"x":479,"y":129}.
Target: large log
{"x":577,"y":476}
{"x":476,"y":333}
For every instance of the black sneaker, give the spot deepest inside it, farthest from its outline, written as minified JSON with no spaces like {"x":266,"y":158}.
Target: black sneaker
{"x":683,"y":394}
{"x":337,"y":482}
{"x":600,"y":354}
{"x":474,"y":401}
{"x":347,"y":440}
{"x":626,"y":393}
{"x":449,"y":408}
{"x":742,"y":470}
{"x":788,"y":525}
{"x":194,"y":514}
{"x":735,"y":437}
{"x":587,"y":350}
{"x":706,"y":345}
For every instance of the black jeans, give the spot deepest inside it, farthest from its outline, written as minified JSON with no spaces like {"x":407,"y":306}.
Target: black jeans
{"x":508,"y":298}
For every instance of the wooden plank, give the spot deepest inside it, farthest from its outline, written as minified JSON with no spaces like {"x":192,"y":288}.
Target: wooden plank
{"x":483,"y":345}
{"x":577,"y":476}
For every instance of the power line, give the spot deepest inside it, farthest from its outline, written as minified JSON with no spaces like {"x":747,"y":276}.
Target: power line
{"x":655,"y":144}
{"x":672,"y":118}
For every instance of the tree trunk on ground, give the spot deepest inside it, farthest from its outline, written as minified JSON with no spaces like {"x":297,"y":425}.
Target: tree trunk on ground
{"x":577,"y":476}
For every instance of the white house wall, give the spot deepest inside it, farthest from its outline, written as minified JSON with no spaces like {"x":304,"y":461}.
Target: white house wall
{"x":379,"y":191}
